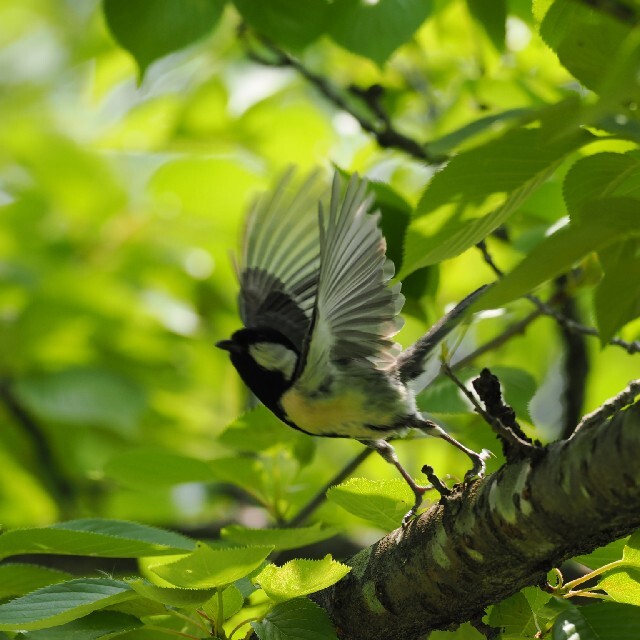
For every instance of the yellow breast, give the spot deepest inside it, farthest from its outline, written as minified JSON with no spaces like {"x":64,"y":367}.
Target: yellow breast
{"x":345,"y":414}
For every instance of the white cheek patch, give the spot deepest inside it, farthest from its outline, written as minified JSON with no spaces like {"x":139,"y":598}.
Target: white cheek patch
{"x":274,"y":357}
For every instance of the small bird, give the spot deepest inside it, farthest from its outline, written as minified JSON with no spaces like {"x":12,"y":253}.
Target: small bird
{"x":319,"y":316}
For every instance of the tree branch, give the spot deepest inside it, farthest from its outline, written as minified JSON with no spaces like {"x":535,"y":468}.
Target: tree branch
{"x":488,"y":540}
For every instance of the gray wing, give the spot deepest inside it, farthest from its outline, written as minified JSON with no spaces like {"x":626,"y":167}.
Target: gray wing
{"x":413,"y":363}
{"x":356,"y":313}
{"x":281,"y":258}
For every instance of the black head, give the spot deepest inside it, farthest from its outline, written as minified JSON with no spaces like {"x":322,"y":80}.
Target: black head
{"x":266,"y":361}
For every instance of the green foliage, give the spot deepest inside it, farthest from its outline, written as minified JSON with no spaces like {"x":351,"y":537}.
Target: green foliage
{"x":134,"y":135}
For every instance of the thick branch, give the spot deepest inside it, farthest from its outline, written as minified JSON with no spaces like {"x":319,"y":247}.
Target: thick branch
{"x":489,"y":540}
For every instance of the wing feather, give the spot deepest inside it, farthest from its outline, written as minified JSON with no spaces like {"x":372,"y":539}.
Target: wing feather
{"x":281,"y":258}
{"x":356,"y":312}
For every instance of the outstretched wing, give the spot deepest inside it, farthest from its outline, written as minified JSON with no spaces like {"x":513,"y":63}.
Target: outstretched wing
{"x":281,"y":258}
{"x":356,"y":313}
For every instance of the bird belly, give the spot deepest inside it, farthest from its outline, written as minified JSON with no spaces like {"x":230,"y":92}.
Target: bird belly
{"x":348,"y":414}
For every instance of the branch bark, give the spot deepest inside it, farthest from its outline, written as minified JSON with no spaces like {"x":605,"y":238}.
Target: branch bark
{"x":489,"y":540}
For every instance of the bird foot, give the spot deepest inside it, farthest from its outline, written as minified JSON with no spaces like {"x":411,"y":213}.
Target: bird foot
{"x":479,"y":466}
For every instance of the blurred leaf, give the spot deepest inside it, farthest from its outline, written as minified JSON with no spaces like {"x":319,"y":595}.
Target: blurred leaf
{"x":94,"y":537}
{"x":605,"y":221}
{"x":83,"y":397}
{"x":492,"y":16}
{"x":442,"y":396}
{"x":300,"y":577}
{"x":60,"y":603}
{"x":463,"y":632}
{"x":150,"y":29}
{"x":279,"y":539}
{"x":479,"y":189}
{"x":381,"y":502}
{"x":287,"y":22}
{"x":157,"y":468}
{"x":518,"y":388}
{"x":298,"y":619}
{"x":376,"y":30}
{"x":602,"y":621}
{"x":208,"y":568}
{"x":18,"y":578}
{"x":99,"y":624}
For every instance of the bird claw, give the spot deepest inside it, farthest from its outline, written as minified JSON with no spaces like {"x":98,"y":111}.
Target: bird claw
{"x":479,"y":466}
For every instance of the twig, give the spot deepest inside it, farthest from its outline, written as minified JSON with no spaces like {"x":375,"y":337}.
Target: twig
{"x":562,"y":320}
{"x":319,"y":498}
{"x":380,"y":126}
{"x":610,"y":407}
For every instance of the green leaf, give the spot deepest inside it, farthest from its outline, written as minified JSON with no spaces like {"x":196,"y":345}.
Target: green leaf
{"x":442,"y":396}
{"x":599,"y":176}
{"x":376,"y":30}
{"x":160,"y":468}
{"x":95,"y":537}
{"x":279,"y":539}
{"x":300,"y":577}
{"x":18,"y":578}
{"x":492,"y":16}
{"x":381,"y":502}
{"x":603,"y":555}
{"x":298,"y":619}
{"x":515,"y":617}
{"x":232,"y":602}
{"x":151,"y":29}
{"x":518,"y":387}
{"x":99,"y":624}
{"x":602,"y":621}
{"x":568,"y":26}
{"x":287,"y":22}
{"x":83,"y":397}
{"x":631,"y":550}
{"x":617,"y":299}
{"x":171,"y":596}
{"x":208,"y":568}
{"x":605,"y":221}
{"x":59,"y":603}
{"x":623,"y":585}
{"x":463,"y":632}
{"x":479,"y":189}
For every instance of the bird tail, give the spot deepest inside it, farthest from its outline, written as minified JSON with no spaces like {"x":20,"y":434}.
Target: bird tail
{"x":412,"y":363}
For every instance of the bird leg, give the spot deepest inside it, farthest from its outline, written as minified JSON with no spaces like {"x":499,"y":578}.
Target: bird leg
{"x":389,"y":454}
{"x":478,"y":459}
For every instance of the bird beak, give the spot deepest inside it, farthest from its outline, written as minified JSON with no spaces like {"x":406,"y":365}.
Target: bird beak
{"x":227,"y":345}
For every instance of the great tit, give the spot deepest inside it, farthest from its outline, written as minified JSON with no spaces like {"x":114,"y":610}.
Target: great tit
{"x":319,"y":316}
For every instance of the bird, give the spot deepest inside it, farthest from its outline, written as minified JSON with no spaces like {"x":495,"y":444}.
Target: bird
{"x":319,"y":315}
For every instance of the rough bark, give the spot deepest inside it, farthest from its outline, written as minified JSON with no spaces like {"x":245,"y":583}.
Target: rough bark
{"x":487,"y":541}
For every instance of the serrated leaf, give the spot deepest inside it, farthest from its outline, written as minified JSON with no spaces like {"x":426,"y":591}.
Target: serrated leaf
{"x":171,"y":596}
{"x":95,"y":537}
{"x":151,"y":29}
{"x":606,"y":221}
{"x":623,"y":585}
{"x":604,"y":555}
{"x":60,"y":603}
{"x":144,"y":469}
{"x":381,"y":502}
{"x":375,"y":30}
{"x":479,"y":189}
{"x":96,"y":625}
{"x":631,"y":550}
{"x":300,"y":577}
{"x":280,"y":539}
{"x":83,"y":397}
{"x":290,"y":23}
{"x":602,"y":621}
{"x":208,"y":568}
{"x":19,"y":578}
{"x":298,"y":619}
